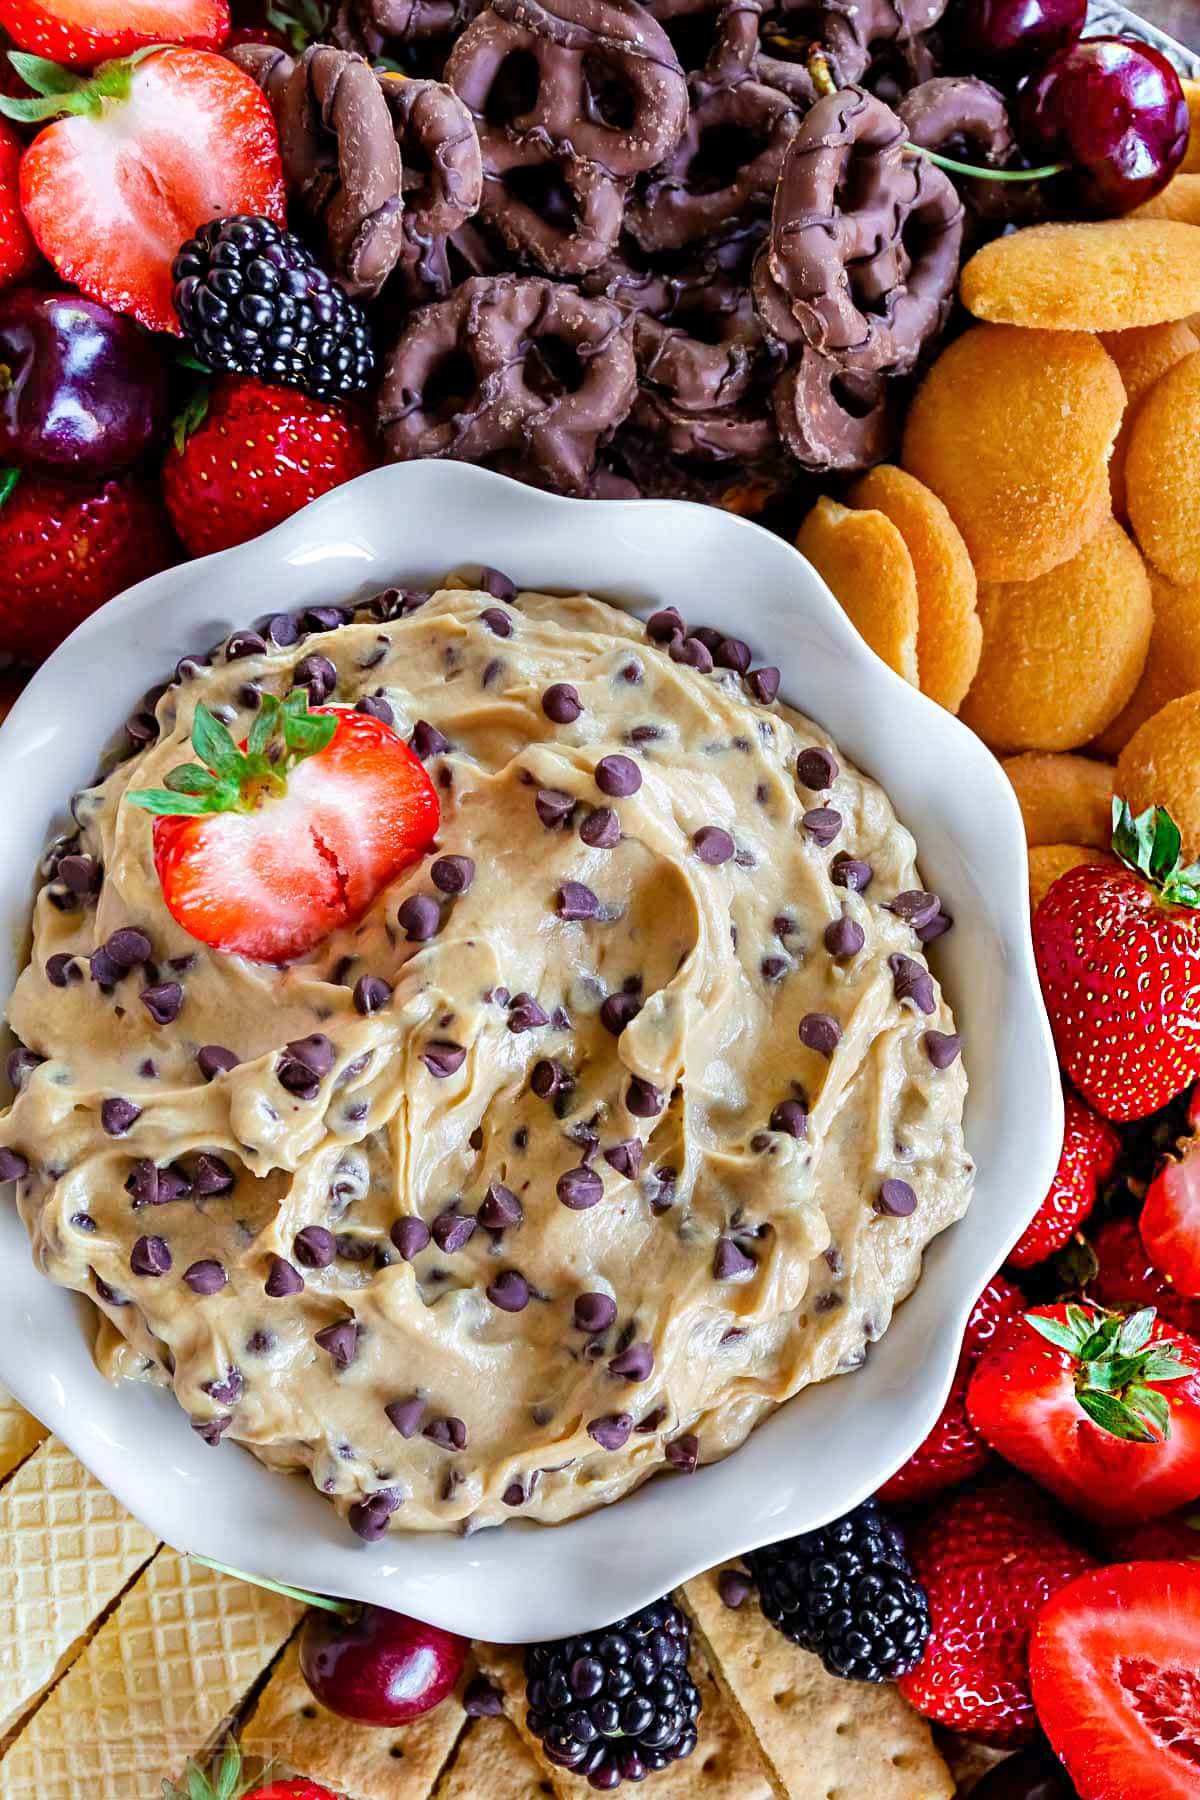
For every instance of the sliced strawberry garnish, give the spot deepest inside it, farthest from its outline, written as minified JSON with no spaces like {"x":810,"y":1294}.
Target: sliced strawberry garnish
{"x":1170,"y":1221}
{"x":153,"y":148}
{"x":264,"y":851}
{"x":1115,"y":1669}
{"x":1090,"y":1149}
{"x":84,"y":32}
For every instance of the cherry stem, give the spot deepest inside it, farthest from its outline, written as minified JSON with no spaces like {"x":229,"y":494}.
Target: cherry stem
{"x":344,"y":1608}
{"x":981,"y":173}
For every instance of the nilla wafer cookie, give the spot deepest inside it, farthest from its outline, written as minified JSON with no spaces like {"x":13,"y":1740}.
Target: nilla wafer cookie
{"x":1141,"y":356}
{"x":1160,"y":766}
{"x":1095,"y":275}
{"x":1063,"y":799}
{"x":1162,"y":472}
{"x":864,"y":560}
{"x":1172,"y":663}
{"x":1048,"y":861}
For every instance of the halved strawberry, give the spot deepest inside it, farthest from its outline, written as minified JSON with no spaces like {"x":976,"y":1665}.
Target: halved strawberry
{"x":83,"y":32}
{"x":1102,"y":1410}
{"x":263,"y":851}
{"x":1170,"y":1221}
{"x":1090,"y":1149}
{"x":1115,"y":1669}
{"x":153,"y":148}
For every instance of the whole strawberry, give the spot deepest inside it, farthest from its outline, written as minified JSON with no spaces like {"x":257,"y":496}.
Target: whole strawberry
{"x":954,"y":1449}
{"x":228,"y":1781}
{"x":1118,"y":951}
{"x":1102,"y":1410}
{"x":83,"y":32}
{"x":1170,"y":1221}
{"x":989,"y":1558}
{"x":1127,"y":1278}
{"x":256,"y":455}
{"x":18,"y":252}
{"x":1090,"y":1149}
{"x":65,"y":550}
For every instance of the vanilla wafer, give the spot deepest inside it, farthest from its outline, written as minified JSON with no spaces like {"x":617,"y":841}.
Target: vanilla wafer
{"x":20,"y":1433}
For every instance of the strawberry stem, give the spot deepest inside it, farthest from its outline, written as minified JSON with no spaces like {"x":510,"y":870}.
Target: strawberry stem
{"x":345,"y":1609}
{"x":8,"y":481}
{"x":61,"y":92}
{"x":1116,"y":1359}
{"x":1151,"y":844}
{"x":226,"y":779}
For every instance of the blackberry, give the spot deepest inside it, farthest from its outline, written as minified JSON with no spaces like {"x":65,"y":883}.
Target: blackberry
{"x":618,"y":1704}
{"x":252,"y":301}
{"x":847,"y":1593}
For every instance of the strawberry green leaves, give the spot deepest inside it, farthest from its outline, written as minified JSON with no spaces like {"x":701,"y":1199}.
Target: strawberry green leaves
{"x":226,"y":779}
{"x":225,"y":1783}
{"x":1151,"y":844}
{"x":1116,"y":1361}
{"x":62,"y":92}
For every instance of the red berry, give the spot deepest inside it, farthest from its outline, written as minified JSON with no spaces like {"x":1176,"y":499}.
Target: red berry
{"x":260,"y":454}
{"x":989,"y":1557}
{"x":1010,"y":36}
{"x":1170,"y":1221}
{"x":18,"y":252}
{"x":1114,"y":109}
{"x":1173,"y":1539}
{"x":65,"y":550}
{"x":379,"y":1667}
{"x":1127,"y":1278}
{"x":81,"y":33}
{"x":1090,"y":1149}
{"x":1114,"y":1661}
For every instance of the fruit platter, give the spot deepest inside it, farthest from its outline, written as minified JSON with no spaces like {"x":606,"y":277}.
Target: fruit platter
{"x":600,"y":702}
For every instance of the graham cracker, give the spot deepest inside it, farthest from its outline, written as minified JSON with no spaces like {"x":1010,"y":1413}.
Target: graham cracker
{"x":825,"y":1739}
{"x":20,"y":1433}
{"x":153,"y":1687}
{"x":725,"y":1762}
{"x":67,"y":1549}
{"x":289,"y":1729}
{"x":491,"y":1763}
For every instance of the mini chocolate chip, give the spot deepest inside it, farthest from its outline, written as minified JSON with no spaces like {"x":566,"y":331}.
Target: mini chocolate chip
{"x":942,"y":1047}
{"x":141,"y":728}
{"x":480,"y":1699}
{"x":773,"y":968}
{"x":789,"y":1117}
{"x":447,"y":1434}
{"x":844,"y":937}
{"x":820,"y":1032}
{"x":553,"y":807}
{"x":817,"y":769}
{"x":708,"y":635}
{"x":163,"y":1001}
{"x":548,"y":1078}
{"x":594,"y":1312}
{"x":419,"y":917}
{"x":828,"y":1302}
{"x":693,"y":653}
{"x":618,"y":1010}
{"x":340,"y":1340}
{"x":664,"y":625}
{"x":912,"y":982}
{"x":108,"y":1294}
{"x":712,"y":845}
{"x":732,"y":653}
{"x":118,"y":1115}
{"x":683,"y":1453}
{"x":579,"y":1188}
{"x":452,"y":1231}
{"x":500,"y":1210}
{"x":325,"y":618}
{"x":618,"y":776}
{"x":730,"y":1260}
{"x":497,"y":622}
{"x":410,"y":1236}
{"x":937,"y":927}
{"x":352,"y":1248}
{"x":916,"y":907}
{"x":496,"y":583}
{"x":82,"y":874}
{"x":822,"y":824}
{"x":612,"y":1431}
{"x":213,"y":1175}
{"x":509,"y":1291}
{"x":642,"y":1098}
{"x":634,"y":1363}
{"x":427,"y":741}
{"x":846,"y":871}
{"x":313,"y":1247}
{"x":61,"y":969}
{"x":150,"y":1256}
{"x":374,"y":706}
{"x":282,"y":629}
{"x":369,"y":1518}
{"x":896,"y":1198}
{"x":244,"y":643}
{"x":735,"y":1587}
{"x":525,"y":1014}
{"x":371,"y":992}
{"x":127,"y":947}
{"x":452,"y":874}
{"x":215,"y":1059}
{"x":601,"y":829}
{"x":763,"y":684}
{"x":13,"y":1166}
{"x":406,"y":1415}
{"x":561,"y":703}
{"x":318,"y":675}
{"x":211,"y":1431}
{"x":443,"y":1058}
{"x":575,"y":901}
{"x":20,"y":1066}
{"x":625,"y":1158}
{"x":207,"y":1277}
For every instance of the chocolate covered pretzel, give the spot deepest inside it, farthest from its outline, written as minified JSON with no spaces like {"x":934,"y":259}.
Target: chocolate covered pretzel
{"x":415,"y":34}
{"x":833,"y":420}
{"x":865,"y":238}
{"x":849,"y":33}
{"x":508,"y":368}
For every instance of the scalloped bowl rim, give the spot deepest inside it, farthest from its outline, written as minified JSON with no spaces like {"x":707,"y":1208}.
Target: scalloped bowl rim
{"x":832,"y":1444}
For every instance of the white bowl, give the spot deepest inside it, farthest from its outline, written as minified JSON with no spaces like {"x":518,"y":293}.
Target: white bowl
{"x":824,"y":1450}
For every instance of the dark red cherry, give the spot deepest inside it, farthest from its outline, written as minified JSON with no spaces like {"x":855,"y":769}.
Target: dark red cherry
{"x":1006,"y":37}
{"x":378,"y":1667}
{"x":1113,"y":110}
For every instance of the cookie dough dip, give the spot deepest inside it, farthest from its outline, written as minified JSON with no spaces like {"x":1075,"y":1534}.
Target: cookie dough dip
{"x":521,"y":1091}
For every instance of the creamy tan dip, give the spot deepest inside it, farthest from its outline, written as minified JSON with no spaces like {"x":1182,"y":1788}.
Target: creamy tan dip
{"x":668,"y":1085}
